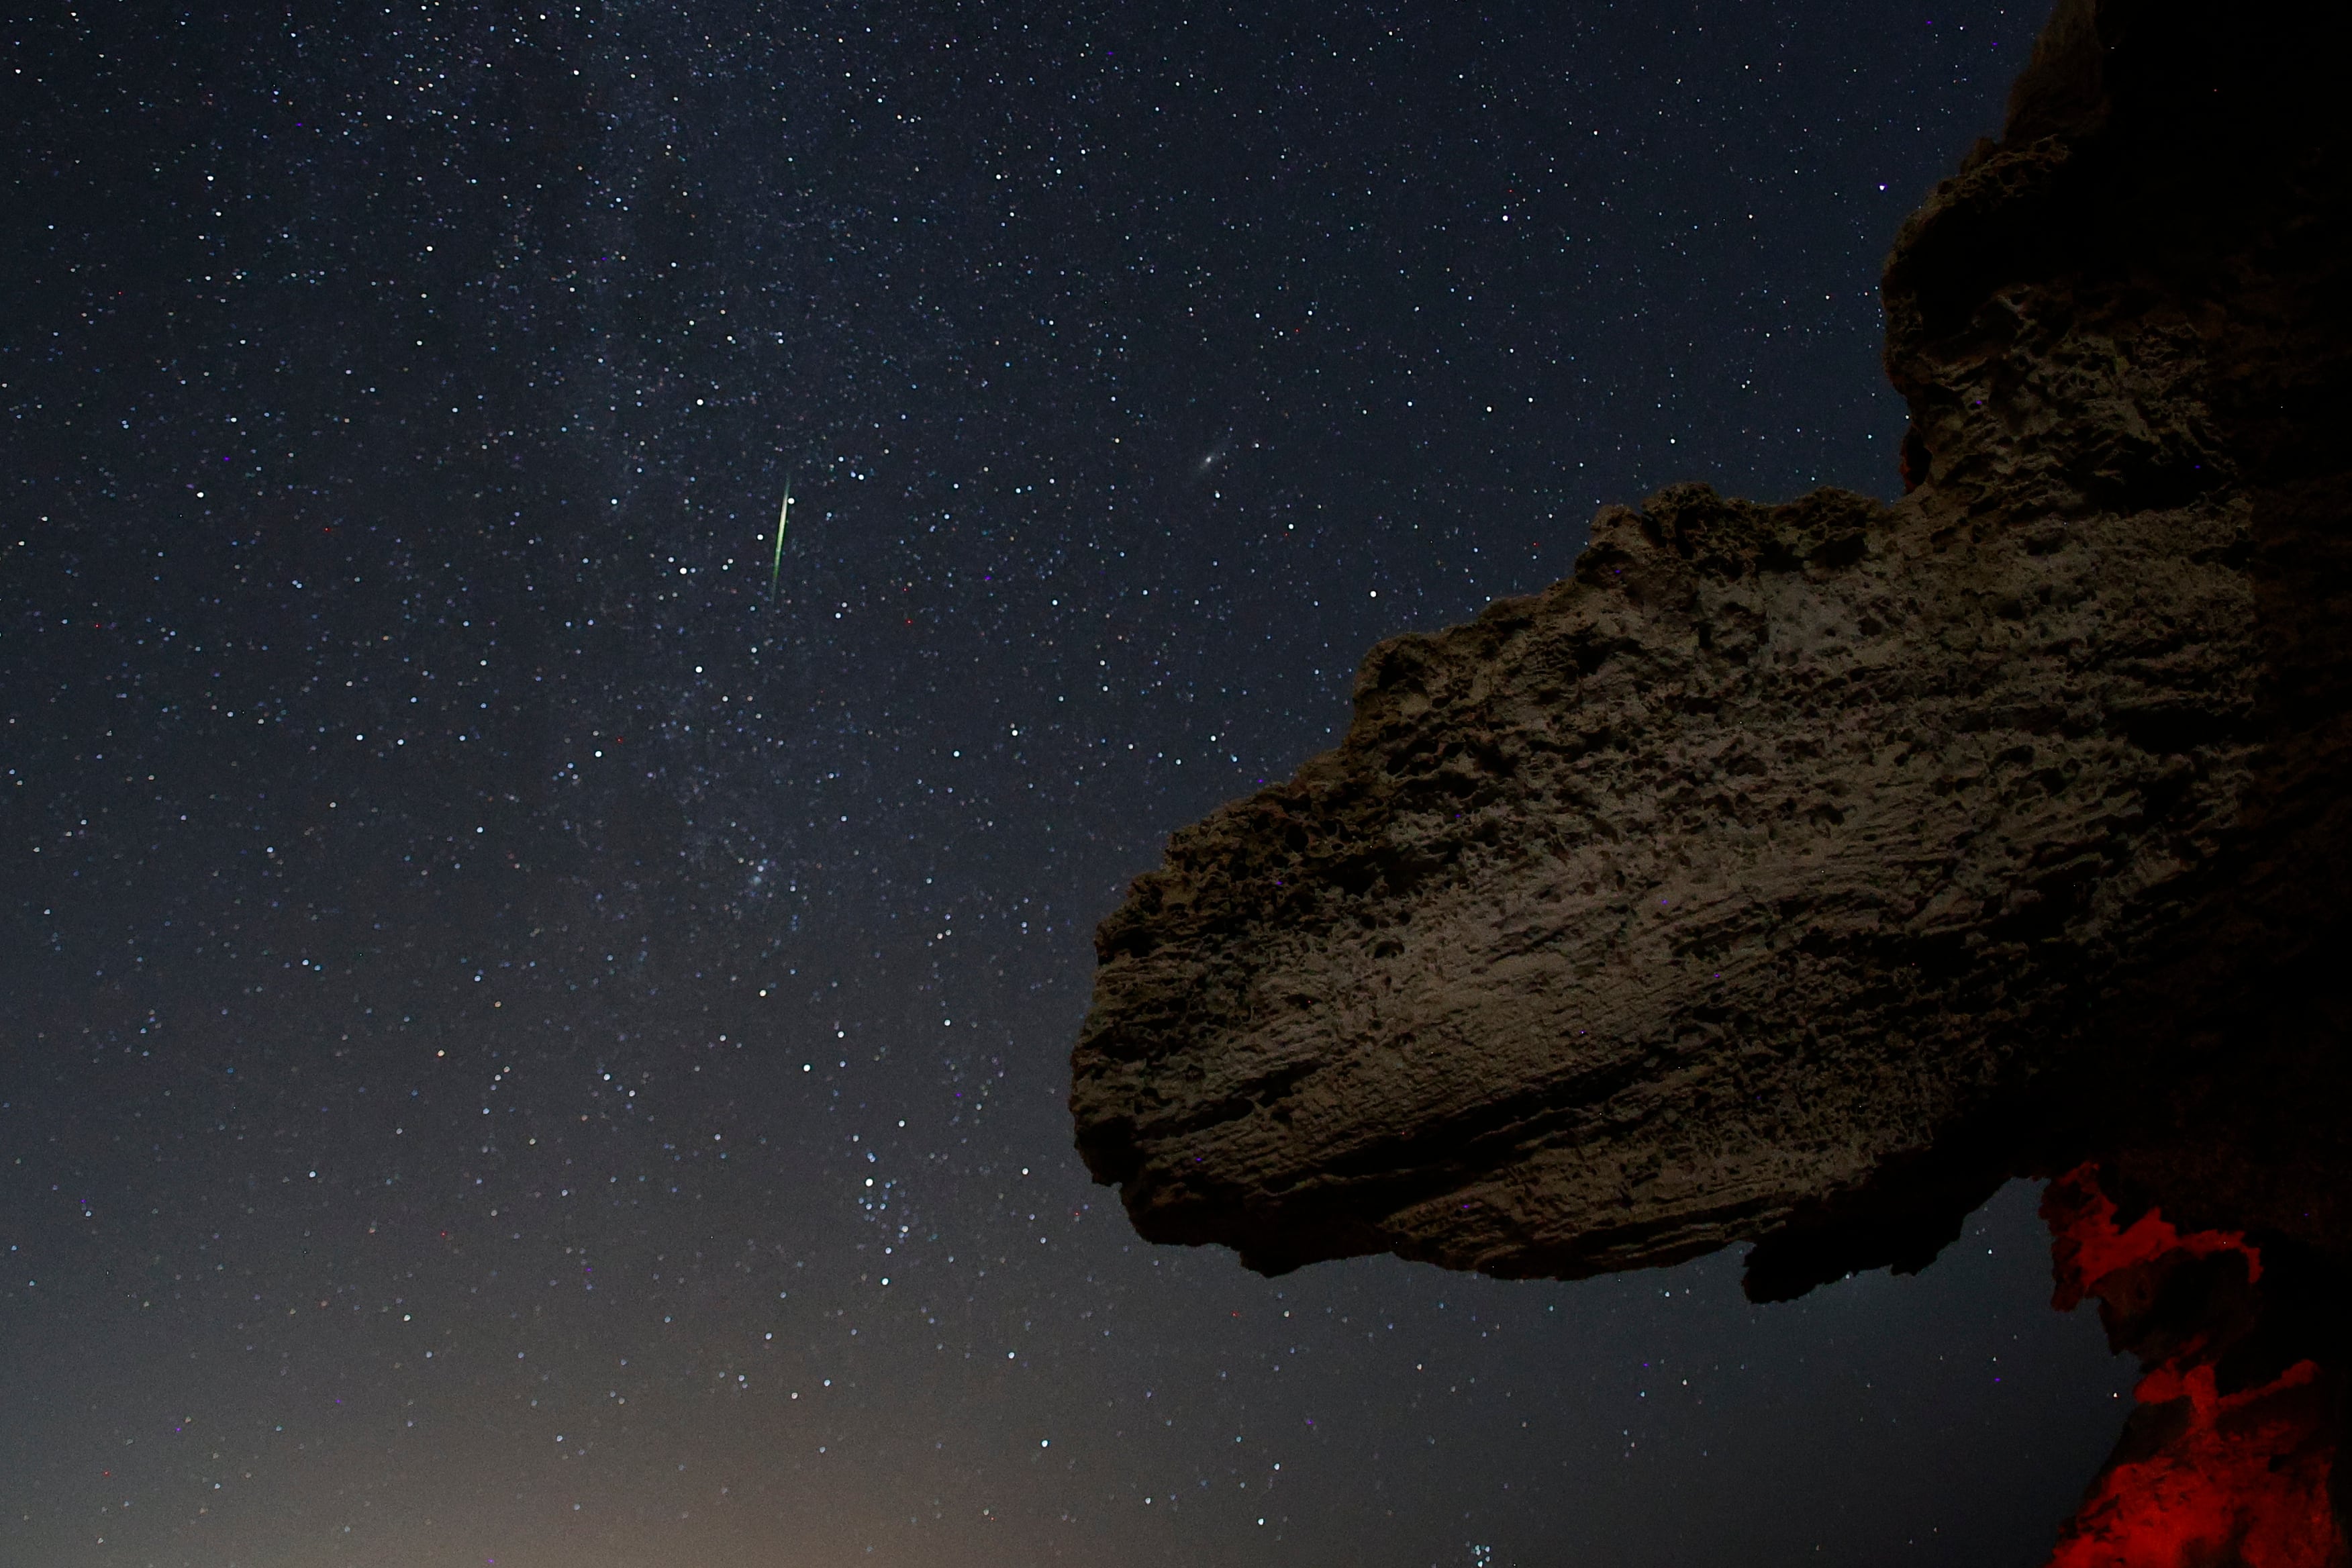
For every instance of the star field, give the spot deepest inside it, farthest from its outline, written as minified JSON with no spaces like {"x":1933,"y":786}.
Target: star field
{"x":522,"y":1043}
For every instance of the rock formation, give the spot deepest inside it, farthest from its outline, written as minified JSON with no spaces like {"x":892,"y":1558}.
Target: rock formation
{"x":1797,"y":874}
{"x":2230,"y":1454}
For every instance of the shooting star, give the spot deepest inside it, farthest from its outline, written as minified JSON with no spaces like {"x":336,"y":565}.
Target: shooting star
{"x":784,"y":521}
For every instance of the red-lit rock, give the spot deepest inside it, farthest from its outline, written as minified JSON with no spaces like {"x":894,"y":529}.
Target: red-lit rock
{"x":2228,"y":1458}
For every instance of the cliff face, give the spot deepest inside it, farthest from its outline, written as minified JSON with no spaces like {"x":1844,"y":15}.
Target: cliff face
{"x":1799,"y":873}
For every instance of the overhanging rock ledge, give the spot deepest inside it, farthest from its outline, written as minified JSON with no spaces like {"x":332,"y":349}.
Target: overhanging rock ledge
{"x":1798,"y":873}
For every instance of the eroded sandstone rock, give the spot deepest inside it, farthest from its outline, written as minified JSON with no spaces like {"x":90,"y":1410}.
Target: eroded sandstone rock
{"x":1633,"y":918}
{"x":1797,"y":873}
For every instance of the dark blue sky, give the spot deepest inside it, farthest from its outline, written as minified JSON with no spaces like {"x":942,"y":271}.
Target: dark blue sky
{"x":523,"y":1045}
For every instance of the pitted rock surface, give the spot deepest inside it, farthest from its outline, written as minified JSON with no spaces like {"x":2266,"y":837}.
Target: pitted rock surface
{"x":1632,"y":915}
{"x":1799,"y":872}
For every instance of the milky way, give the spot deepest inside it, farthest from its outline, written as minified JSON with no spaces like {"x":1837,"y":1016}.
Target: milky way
{"x":525,"y":1044}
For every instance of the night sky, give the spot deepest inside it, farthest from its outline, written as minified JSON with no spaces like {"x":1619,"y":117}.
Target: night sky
{"x":522,"y":1045}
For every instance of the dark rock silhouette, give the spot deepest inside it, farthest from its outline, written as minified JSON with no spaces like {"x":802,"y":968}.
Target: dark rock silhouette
{"x":1797,"y":874}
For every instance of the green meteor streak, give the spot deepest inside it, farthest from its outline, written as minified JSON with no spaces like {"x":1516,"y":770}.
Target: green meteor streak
{"x":784,"y":521}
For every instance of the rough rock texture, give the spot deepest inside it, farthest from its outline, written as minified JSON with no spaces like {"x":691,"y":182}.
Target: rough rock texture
{"x":1640,"y":916}
{"x":1799,"y":873}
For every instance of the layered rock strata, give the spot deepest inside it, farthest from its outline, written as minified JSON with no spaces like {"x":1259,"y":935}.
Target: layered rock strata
{"x":1798,"y":873}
